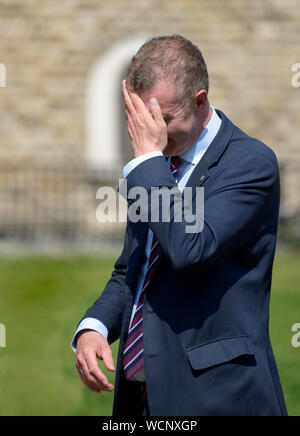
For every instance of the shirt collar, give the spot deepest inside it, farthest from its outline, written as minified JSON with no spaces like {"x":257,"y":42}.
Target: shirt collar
{"x":195,"y":153}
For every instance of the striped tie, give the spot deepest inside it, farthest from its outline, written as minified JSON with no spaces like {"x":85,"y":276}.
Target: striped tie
{"x":133,"y":357}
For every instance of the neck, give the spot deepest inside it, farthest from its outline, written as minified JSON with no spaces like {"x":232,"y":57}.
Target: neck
{"x":205,"y":118}
{"x":202,"y":121}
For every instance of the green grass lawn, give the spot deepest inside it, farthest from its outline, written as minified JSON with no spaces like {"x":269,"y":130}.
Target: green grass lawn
{"x":43,"y":298}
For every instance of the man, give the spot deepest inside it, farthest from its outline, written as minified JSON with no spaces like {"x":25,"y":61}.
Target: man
{"x":190,"y":308}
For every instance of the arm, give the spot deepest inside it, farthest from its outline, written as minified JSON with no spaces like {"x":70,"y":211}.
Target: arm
{"x":108,"y":308}
{"x":247,"y":188}
{"x":105,"y":312}
{"x":90,"y":323}
{"x":232,"y":213}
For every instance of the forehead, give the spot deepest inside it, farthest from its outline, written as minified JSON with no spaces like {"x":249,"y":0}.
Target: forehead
{"x":166,"y":93}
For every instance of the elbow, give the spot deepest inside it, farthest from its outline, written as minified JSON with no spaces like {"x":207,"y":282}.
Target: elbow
{"x":192,"y":262}
{"x":185,"y":264}
{"x":179,"y":265}
{"x":192,"y":267}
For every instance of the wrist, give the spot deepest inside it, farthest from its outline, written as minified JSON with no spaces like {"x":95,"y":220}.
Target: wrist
{"x":139,"y":153}
{"x":90,"y":331}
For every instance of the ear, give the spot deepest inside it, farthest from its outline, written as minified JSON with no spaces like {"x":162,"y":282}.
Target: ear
{"x":201,"y":99}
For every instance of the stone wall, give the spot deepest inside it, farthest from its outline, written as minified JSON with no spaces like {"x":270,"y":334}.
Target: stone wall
{"x":49,"y":47}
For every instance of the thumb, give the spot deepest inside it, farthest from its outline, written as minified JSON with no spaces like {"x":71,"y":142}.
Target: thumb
{"x":156,"y":111}
{"x":108,"y":359}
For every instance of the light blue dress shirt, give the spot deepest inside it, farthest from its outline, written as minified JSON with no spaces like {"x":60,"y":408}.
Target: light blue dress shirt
{"x":187,"y":162}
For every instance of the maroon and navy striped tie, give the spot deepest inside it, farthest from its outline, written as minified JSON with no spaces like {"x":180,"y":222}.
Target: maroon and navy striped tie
{"x":133,"y":357}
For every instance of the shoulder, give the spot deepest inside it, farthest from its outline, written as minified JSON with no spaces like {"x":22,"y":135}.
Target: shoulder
{"x":243,"y":148}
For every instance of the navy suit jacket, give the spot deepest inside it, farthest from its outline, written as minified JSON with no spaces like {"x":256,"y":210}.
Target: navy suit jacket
{"x":207,"y":348}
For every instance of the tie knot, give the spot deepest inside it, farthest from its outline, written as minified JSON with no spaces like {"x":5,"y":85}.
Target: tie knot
{"x":174,"y":165}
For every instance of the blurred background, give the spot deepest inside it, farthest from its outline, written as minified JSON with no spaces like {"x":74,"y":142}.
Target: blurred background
{"x":63,"y":135}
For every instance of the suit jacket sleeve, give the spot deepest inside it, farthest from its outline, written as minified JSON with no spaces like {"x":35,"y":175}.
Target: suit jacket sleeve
{"x":108,"y":308}
{"x":233,"y":211}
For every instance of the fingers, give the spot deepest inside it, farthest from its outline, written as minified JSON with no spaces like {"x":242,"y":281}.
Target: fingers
{"x":90,"y":346}
{"x":134,"y":104}
{"x":147,"y":128}
{"x":91,"y":374}
{"x":156,"y":111}
{"x":92,"y":387}
{"x":108,"y":359}
{"x":127,"y":100}
{"x":95,"y":374}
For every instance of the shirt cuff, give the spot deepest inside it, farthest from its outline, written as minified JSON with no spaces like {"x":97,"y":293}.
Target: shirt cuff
{"x":92,"y":324}
{"x":138,"y":160}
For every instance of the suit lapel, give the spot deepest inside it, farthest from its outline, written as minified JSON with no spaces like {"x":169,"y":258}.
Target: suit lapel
{"x":212,"y":154}
{"x":137,"y":255}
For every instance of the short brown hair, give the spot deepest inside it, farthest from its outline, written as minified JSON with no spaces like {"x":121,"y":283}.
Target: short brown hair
{"x":169,"y":56}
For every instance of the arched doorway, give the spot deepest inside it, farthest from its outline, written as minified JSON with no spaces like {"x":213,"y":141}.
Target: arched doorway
{"x":107,"y":144}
